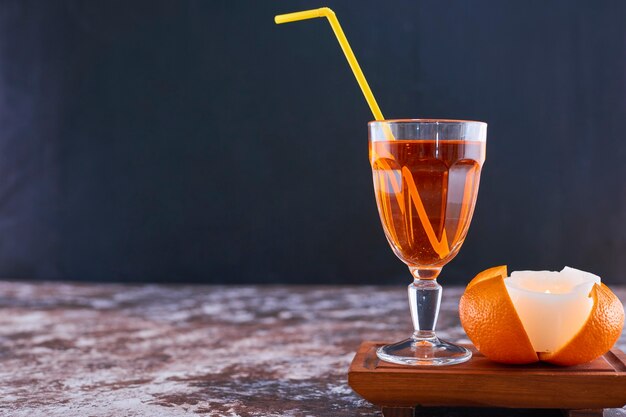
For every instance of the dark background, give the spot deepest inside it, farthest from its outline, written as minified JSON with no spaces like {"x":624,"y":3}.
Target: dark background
{"x":196,"y":141}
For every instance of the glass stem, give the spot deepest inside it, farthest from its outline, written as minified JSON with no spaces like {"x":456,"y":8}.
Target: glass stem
{"x":424,"y":300}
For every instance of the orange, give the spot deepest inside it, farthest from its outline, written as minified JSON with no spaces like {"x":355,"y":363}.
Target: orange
{"x":491,"y":322}
{"x":496,"y":271}
{"x":493,"y":325}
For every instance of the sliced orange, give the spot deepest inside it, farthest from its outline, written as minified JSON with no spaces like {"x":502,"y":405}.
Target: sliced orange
{"x":490,"y":320}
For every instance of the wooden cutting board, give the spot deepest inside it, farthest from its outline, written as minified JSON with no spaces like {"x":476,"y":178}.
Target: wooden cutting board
{"x":483,"y":383}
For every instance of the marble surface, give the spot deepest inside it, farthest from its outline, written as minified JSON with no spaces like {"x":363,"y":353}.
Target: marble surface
{"x":118,"y":350}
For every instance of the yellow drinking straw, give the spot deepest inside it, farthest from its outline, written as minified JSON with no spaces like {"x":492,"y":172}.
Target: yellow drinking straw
{"x":345,"y":46}
{"x":440,"y":246}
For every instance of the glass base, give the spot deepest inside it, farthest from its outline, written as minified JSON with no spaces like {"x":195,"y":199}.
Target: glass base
{"x":423,"y":352}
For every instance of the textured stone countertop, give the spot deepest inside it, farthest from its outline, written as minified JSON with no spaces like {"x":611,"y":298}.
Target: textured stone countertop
{"x":118,"y":350}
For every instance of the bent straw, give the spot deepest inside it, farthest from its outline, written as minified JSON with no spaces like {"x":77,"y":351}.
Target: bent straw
{"x":440,"y":246}
{"x":345,"y":46}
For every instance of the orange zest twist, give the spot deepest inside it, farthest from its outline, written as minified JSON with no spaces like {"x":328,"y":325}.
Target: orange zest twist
{"x":440,"y":246}
{"x":392,"y":177}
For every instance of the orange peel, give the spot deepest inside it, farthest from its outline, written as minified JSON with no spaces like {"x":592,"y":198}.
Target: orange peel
{"x":492,"y":323}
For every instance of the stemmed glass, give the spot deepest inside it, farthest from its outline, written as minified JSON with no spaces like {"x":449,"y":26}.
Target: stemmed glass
{"x":426,"y":175}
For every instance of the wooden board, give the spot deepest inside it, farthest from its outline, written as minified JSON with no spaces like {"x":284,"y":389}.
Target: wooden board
{"x":483,"y":383}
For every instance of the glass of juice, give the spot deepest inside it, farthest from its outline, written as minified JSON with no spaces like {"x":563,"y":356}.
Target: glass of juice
{"x":426,"y":175}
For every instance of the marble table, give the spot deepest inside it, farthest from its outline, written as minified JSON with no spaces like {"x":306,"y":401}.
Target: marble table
{"x":152,"y":350}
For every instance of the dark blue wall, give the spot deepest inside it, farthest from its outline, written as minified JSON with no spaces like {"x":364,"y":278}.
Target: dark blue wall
{"x":197,"y":141}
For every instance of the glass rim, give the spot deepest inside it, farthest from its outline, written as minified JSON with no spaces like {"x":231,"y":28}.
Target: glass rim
{"x":426,"y":121}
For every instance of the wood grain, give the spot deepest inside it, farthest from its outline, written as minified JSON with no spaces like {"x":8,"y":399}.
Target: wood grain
{"x":483,"y":383}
